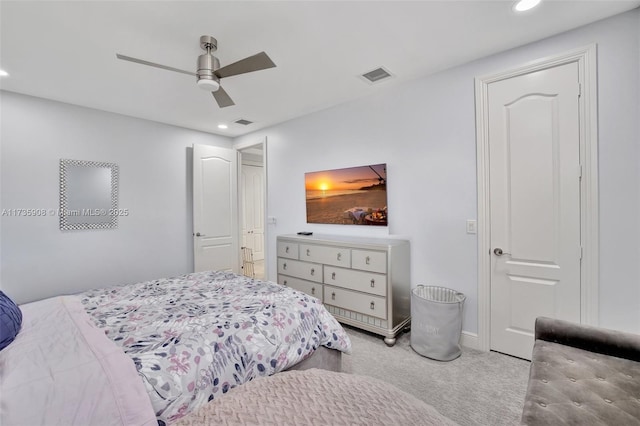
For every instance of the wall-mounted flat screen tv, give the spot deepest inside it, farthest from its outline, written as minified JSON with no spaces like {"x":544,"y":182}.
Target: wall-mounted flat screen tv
{"x":351,"y":196}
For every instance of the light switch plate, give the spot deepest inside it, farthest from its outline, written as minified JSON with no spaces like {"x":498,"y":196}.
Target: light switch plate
{"x":472,"y":226}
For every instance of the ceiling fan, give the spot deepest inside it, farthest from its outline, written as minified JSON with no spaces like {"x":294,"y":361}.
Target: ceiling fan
{"x":209,"y":72}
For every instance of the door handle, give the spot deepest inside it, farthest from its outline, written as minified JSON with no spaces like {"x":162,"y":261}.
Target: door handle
{"x":498,"y":252}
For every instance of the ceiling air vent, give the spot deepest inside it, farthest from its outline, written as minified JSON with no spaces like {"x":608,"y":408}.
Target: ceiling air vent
{"x":243,"y":122}
{"x":376,"y":75}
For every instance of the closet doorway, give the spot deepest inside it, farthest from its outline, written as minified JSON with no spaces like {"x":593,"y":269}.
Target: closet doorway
{"x":252,"y":200}
{"x":537,"y":198}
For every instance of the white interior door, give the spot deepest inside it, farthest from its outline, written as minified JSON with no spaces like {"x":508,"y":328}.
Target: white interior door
{"x":215,"y":206}
{"x":534,"y":175}
{"x":253,"y":209}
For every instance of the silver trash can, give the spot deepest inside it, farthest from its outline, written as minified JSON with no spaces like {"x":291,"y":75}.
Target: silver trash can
{"x":436,"y":322}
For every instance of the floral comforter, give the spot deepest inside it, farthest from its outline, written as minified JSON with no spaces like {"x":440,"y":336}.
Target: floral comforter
{"x":194,"y":337}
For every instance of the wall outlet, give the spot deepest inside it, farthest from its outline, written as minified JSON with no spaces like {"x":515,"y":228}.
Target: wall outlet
{"x":472,"y":226}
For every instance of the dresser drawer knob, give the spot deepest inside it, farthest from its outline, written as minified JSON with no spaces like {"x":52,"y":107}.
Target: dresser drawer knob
{"x":333,"y":296}
{"x":286,"y":249}
{"x":284,"y":265}
{"x":313,"y":291}
{"x":339,"y":256}
{"x":367,"y":260}
{"x":373,"y":282}
{"x":313,"y":271}
{"x":333,"y":275}
{"x":285,"y":282}
{"x":308,"y":252}
{"x":373,"y":305}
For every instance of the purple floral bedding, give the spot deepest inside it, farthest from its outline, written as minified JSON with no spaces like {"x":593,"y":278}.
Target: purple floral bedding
{"x":194,"y":337}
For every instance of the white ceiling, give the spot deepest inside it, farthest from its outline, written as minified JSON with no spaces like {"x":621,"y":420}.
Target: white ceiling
{"x":66,"y":50}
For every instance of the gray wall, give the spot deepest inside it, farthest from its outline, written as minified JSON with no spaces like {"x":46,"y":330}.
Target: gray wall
{"x":425,"y":132}
{"x":38,"y":260}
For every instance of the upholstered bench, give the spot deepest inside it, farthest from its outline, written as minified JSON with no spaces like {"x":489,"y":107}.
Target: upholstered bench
{"x":582,"y":375}
{"x":316,"y":397}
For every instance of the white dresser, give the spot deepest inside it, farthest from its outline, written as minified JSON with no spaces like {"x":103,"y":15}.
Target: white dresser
{"x":363,"y":282}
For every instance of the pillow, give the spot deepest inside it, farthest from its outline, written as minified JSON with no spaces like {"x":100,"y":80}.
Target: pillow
{"x":10,"y":320}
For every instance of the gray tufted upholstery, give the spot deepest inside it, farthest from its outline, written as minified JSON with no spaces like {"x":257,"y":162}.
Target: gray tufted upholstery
{"x":582,"y":375}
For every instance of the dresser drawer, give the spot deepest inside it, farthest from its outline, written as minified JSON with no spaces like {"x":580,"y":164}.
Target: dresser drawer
{"x":325,"y":254}
{"x":308,"y":287}
{"x":367,"y":304}
{"x":367,"y":260}
{"x":367,"y":282}
{"x":287,"y":249}
{"x":298,"y":269}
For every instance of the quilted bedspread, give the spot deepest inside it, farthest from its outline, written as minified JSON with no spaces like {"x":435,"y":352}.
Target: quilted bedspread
{"x":317,"y":398}
{"x":194,"y":337}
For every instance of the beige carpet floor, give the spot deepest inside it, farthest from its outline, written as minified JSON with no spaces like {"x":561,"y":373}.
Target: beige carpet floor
{"x":479,"y":388}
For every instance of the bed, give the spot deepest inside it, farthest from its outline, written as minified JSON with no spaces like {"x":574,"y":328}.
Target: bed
{"x":191,"y":339}
{"x":328,"y":398}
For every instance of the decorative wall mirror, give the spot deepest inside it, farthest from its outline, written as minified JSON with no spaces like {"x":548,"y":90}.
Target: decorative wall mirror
{"x":88,"y":195}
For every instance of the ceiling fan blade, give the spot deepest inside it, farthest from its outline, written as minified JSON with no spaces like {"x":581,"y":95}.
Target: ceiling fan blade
{"x":222,"y":98}
{"x":152,"y":64}
{"x":257,"y":62}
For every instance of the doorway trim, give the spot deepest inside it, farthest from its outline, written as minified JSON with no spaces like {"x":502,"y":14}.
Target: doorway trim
{"x":586,"y":58}
{"x":239,"y":147}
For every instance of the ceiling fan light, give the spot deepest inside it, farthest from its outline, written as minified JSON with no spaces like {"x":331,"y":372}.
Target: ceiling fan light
{"x":208,"y":85}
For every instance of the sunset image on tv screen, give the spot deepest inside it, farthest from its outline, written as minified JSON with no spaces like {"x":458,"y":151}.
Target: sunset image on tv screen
{"x":351,"y":196}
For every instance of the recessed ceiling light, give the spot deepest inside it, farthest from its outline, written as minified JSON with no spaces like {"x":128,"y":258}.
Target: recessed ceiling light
{"x":524,"y":5}
{"x":3,"y":73}
{"x":222,"y":126}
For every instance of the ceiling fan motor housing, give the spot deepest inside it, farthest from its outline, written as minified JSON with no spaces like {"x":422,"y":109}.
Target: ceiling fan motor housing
{"x":207,"y":64}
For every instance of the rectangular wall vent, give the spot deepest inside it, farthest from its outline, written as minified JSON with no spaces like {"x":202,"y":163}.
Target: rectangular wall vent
{"x":243,"y":122}
{"x":377,"y":75}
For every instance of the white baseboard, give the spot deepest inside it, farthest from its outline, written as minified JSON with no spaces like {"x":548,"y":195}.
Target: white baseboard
{"x":470,"y":340}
